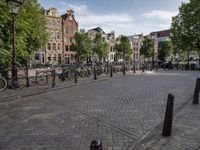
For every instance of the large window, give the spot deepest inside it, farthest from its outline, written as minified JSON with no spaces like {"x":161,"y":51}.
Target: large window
{"x":66,"y":48}
{"x":37,"y":56}
{"x":59,"y":46}
{"x":49,"y":46}
{"x":58,"y":35}
{"x":70,"y":30}
{"x":67,"y":30}
{"x":49,"y":57}
{"x":71,"y":39}
{"x":54,"y":46}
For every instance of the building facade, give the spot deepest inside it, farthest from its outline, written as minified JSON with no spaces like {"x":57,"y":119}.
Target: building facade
{"x":107,"y":37}
{"x":136,"y":42}
{"x":61,"y":30}
{"x":70,"y":27}
{"x":53,"y":49}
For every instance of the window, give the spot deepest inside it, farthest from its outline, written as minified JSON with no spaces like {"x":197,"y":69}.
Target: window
{"x":111,"y":48}
{"x":53,"y":35}
{"x":71,"y":39}
{"x":66,"y":30}
{"x":70,"y":30}
{"x":66,"y":48}
{"x":42,"y":58}
{"x":59,"y":46}
{"x":54,"y":58}
{"x":58,"y":35}
{"x":37,"y":56}
{"x":49,"y":58}
{"x":49,"y":46}
{"x":54,"y":46}
{"x":66,"y":39}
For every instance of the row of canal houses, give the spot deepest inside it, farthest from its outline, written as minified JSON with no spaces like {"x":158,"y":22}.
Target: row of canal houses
{"x":62,"y":28}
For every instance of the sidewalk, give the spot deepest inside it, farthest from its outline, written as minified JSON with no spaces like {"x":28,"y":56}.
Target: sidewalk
{"x":185,"y":133}
{"x":37,"y":89}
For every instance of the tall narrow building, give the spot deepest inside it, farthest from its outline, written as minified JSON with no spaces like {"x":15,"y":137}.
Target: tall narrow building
{"x":69,"y":28}
{"x":54,"y":50}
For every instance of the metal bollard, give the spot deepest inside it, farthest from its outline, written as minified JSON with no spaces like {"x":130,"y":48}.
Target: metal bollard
{"x":75,"y":76}
{"x":134,"y":68}
{"x":95,"y":74}
{"x":196,"y":92}
{"x":96,"y":145}
{"x":111,"y":71}
{"x":167,"y":126}
{"x":124,"y":70}
{"x":54,"y":78}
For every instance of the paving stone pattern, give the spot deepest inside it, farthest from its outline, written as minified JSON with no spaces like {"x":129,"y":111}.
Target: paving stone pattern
{"x":119,"y":112}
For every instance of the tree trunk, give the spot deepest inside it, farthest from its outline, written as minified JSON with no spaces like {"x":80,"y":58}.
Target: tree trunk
{"x":188,"y":60}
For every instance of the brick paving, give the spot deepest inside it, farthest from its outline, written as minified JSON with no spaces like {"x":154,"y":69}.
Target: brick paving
{"x":185,"y":133}
{"x":120,"y":112}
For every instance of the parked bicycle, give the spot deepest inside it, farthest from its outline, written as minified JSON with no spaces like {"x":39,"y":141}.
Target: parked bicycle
{"x":67,"y":72}
{"x":3,"y":83}
{"x":24,"y":80}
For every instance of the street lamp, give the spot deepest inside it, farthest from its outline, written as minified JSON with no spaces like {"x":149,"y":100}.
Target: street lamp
{"x":14,"y":9}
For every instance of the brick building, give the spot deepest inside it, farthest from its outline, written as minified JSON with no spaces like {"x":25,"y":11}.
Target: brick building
{"x":61,"y":30}
{"x":70,"y":27}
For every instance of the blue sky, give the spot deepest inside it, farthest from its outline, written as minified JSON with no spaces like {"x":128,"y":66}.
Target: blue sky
{"x":126,"y":17}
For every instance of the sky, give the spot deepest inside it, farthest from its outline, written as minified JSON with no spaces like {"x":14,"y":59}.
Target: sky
{"x":125,"y":17}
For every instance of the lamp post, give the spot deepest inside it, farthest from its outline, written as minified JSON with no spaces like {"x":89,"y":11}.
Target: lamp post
{"x":14,"y":9}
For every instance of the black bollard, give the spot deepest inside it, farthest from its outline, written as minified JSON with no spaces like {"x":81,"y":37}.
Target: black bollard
{"x":111,"y":71}
{"x":167,"y":126}
{"x":96,"y":145}
{"x":95,"y":74}
{"x":124,"y":70}
{"x":54,"y":78}
{"x":196,"y":92}
{"x":134,"y":68}
{"x":142,"y":68}
{"x":75,"y":76}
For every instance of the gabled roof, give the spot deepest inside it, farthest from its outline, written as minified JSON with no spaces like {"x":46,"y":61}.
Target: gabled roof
{"x":98,"y":29}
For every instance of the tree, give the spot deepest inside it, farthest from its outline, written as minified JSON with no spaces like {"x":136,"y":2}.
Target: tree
{"x":185,"y":28}
{"x":147,"y":48}
{"x":82,"y":46}
{"x":100,"y":47}
{"x":165,"y":50}
{"x":123,"y":49}
{"x":31,"y":31}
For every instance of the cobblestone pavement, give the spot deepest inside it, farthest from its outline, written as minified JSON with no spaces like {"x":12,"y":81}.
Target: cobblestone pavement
{"x":36,"y":89}
{"x":119,"y":112}
{"x":185,"y":133}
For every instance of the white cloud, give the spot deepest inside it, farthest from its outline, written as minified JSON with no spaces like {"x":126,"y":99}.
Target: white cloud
{"x":79,"y":9}
{"x":159,"y":14}
{"x":62,"y":3}
{"x":121,"y":23}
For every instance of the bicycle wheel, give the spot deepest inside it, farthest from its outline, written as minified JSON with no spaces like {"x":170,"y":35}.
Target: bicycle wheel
{"x":3,"y":84}
{"x":18,"y":82}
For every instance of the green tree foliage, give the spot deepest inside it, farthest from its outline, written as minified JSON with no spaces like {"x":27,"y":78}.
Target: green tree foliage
{"x":123,"y":49}
{"x":31,"y":34}
{"x":147,"y":48}
{"x":82,"y":46}
{"x":100,"y":47}
{"x":185,"y":28}
{"x":165,"y":50}
{"x":5,"y":34}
